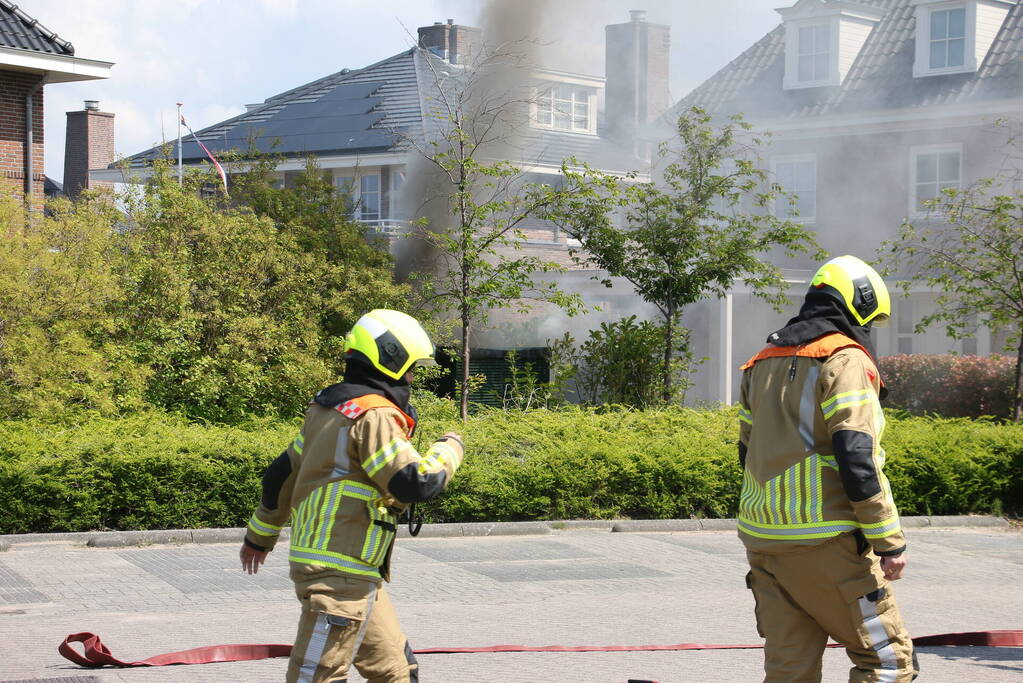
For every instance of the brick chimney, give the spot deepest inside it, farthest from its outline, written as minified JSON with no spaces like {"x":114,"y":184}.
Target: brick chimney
{"x":89,"y":144}
{"x":636,"y":68}
{"x":450,"y":41}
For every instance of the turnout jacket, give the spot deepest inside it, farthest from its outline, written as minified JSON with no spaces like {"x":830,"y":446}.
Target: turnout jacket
{"x":809,"y":444}
{"x":343,"y":482}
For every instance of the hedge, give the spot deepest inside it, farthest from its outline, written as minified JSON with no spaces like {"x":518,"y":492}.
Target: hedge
{"x":950,"y":386}
{"x":159,"y":471}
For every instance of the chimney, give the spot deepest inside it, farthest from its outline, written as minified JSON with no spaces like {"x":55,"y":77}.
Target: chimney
{"x":89,"y":144}
{"x":449,"y":41}
{"x":636,"y":69}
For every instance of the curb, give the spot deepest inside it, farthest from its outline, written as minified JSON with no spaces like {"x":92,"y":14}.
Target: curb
{"x":121,"y":539}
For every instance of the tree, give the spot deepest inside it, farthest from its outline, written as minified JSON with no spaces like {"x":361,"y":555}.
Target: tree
{"x":974,"y":256}
{"x":474,"y":261}
{"x":703,"y":225}
{"x":58,"y":296}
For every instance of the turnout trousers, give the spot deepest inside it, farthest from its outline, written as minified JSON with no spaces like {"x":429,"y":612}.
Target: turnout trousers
{"x":834,"y":589}
{"x":348,"y":621}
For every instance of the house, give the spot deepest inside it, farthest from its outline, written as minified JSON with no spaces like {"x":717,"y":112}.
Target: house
{"x":875,"y":106}
{"x":358,"y":123}
{"x":31,"y":56}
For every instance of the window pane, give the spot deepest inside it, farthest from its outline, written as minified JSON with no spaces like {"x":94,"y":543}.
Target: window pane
{"x":924,"y":193}
{"x":581,"y":109}
{"x":582,"y":96}
{"x":938,"y":52}
{"x":545,"y":118}
{"x":820,"y":67}
{"x":926,"y":168}
{"x":905,"y":345}
{"x":948,"y":166}
{"x":370,"y":183}
{"x":806,"y":68}
{"x":956,"y":52}
{"x":957,"y":23}
{"x":785,"y":175}
{"x":562,"y":120}
{"x":807,"y":204}
{"x":806,"y":41}
{"x":805,"y":179}
{"x":904,"y":317}
{"x":821,"y":39}
{"x":939,"y":25}
{"x":397,"y":180}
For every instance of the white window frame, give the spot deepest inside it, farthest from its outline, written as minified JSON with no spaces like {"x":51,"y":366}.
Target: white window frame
{"x":814,"y":52}
{"x":363,"y":192}
{"x":922,"y":62}
{"x":541,"y":106}
{"x":914,"y":154}
{"x":792,"y":28}
{"x":779,"y":203}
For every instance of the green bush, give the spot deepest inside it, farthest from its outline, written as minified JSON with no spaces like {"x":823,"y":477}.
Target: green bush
{"x":156,"y":471}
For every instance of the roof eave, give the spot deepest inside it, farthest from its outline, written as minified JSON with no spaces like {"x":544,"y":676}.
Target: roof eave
{"x":56,"y":68}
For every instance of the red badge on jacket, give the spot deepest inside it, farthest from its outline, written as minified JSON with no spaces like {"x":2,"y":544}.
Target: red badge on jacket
{"x":871,"y":374}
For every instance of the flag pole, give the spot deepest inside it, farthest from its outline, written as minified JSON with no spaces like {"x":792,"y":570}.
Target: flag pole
{"x":179,"y":144}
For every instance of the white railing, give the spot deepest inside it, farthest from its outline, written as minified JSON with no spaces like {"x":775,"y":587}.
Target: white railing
{"x":388,"y":227}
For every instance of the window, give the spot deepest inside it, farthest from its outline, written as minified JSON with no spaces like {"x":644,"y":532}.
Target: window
{"x":397,"y":182}
{"x":797,"y":176}
{"x":934,"y":169}
{"x":369,"y":197}
{"x":564,"y":107}
{"x":814,"y":52}
{"x":345,"y":185}
{"x":948,"y":38}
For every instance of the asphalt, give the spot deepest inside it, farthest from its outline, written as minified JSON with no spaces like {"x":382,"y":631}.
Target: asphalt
{"x":465,"y":585}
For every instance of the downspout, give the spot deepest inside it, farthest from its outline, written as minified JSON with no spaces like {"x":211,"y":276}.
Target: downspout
{"x":29,"y":130}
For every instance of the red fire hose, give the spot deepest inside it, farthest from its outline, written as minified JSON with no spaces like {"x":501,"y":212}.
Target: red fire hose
{"x":96,"y":653}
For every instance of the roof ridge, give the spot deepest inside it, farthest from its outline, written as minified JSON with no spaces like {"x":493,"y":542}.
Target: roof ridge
{"x":343,"y":74}
{"x":33,"y":23}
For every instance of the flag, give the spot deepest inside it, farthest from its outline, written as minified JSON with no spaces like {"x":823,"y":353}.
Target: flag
{"x":220,"y":169}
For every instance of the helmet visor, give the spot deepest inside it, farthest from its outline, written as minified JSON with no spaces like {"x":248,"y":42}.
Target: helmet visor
{"x":881,"y":320}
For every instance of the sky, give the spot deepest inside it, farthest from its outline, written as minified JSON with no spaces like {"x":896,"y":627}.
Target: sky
{"x":217,"y":55}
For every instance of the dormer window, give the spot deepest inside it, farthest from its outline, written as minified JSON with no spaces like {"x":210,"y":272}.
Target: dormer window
{"x":562,"y":106}
{"x":814,"y":52}
{"x":948,"y":38}
{"x":953,"y":37}
{"x":823,"y":39}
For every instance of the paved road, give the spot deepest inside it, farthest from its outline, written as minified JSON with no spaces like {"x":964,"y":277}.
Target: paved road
{"x":578,"y":587}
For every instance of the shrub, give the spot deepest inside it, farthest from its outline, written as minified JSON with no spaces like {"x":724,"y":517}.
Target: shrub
{"x":950,"y":386}
{"x":157,"y":471}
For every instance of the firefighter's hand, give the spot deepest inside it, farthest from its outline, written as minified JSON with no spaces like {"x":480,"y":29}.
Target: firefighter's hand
{"x":251,"y":558}
{"x":893,"y":566}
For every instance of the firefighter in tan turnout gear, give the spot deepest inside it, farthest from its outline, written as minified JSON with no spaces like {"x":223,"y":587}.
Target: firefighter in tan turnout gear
{"x":816,"y":513}
{"x":343,"y":483}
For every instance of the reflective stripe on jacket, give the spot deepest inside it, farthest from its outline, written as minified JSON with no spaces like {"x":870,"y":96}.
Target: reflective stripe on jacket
{"x":810,"y":428}
{"x":345,"y":467}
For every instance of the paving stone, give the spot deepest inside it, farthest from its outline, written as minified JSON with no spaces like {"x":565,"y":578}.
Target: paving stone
{"x":578,"y":588}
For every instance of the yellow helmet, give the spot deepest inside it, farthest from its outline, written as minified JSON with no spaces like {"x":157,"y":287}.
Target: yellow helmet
{"x":392,"y":341}
{"x":856,"y":286}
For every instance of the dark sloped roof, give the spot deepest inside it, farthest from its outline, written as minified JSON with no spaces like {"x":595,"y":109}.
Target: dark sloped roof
{"x":370,"y":110}
{"x":18,"y":30}
{"x":348,"y":111}
{"x":880,"y":78}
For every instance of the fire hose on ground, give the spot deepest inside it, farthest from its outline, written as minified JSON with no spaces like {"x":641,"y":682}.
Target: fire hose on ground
{"x":96,"y":654}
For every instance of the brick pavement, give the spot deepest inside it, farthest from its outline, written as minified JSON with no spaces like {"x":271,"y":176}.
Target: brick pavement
{"x":577,"y":587}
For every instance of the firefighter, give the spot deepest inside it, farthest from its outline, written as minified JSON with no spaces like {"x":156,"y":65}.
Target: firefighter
{"x":816,"y":513}
{"x":343,"y":483}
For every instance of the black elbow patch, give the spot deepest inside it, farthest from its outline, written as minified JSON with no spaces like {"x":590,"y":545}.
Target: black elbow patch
{"x":409,"y":486}
{"x":742,"y":454}
{"x":854,"y":452}
{"x":274,"y":478}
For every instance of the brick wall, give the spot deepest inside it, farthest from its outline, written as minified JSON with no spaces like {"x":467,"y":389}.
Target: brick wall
{"x":89,"y":144}
{"x":14,"y":88}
